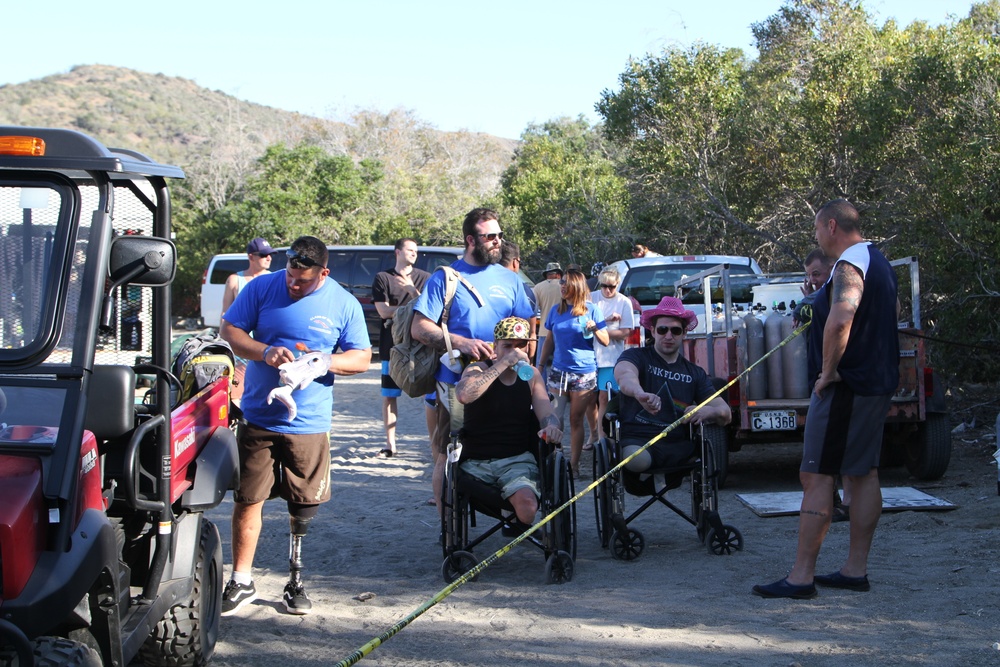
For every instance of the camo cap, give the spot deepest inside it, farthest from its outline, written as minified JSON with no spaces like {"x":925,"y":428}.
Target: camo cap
{"x":512,"y":328}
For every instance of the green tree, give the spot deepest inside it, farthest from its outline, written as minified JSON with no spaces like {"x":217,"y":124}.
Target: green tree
{"x":562,"y":199}
{"x":727,"y":155}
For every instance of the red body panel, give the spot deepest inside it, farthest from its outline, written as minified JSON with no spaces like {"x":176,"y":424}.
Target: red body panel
{"x":22,"y":521}
{"x":192,"y":424}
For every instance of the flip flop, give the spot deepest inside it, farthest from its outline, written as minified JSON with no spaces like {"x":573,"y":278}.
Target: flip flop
{"x":587,"y":446}
{"x":385,"y":454}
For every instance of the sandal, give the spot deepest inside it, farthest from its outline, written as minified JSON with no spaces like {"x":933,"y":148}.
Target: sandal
{"x":841,"y":513}
{"x":385,"y":454}
{"x":587,"y":446}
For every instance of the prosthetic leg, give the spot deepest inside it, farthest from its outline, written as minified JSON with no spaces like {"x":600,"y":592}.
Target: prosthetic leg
{"x":295,"y":598}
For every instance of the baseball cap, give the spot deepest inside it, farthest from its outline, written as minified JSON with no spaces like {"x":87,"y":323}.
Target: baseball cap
{"x":512,"y":328}
{"x":260,"y":247}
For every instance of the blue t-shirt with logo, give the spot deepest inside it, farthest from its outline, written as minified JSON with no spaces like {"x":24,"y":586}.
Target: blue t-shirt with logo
{"x":502,"y":293}
{"x":327,"y":320}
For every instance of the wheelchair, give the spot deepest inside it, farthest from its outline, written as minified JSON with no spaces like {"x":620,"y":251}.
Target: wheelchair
{"x":464,"y":497}
{"x":613,"y":528}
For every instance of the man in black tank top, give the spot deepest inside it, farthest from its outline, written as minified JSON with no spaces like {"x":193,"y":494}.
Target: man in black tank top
{"x":505,"y":415}
{"x":854,"y":359}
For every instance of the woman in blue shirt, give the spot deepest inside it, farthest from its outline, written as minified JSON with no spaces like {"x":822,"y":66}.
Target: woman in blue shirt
{"x":574,"y":324}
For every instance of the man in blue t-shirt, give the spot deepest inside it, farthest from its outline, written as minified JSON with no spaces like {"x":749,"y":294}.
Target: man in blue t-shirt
{"x":854,"y":360}
{"x":282,"y":453}
{"x":471,"y":319}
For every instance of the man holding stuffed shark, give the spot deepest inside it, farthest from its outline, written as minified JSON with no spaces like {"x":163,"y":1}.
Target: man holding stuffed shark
{"x":299,"y":330}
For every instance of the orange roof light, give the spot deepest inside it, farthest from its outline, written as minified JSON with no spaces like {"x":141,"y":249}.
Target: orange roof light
{"x":15,"y":145}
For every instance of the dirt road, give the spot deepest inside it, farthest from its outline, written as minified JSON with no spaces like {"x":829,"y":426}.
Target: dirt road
{"x":934,"y":599}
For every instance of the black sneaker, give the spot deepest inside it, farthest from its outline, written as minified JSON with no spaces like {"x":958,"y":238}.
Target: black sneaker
{"x":296,"y":600}
{"x":236,"y":596}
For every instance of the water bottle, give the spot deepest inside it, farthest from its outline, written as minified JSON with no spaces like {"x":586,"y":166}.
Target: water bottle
{"x":582,"y":323}
{"x":452,"y":363}
{"x":524,"y":370}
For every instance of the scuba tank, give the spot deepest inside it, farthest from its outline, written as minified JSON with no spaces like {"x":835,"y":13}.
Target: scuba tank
{"x":795,"y":364}
{"x":757,"y":380}
{"x":772,"y":338}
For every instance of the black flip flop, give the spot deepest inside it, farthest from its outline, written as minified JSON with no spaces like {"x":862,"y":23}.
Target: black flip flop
{"x":385,"y":454}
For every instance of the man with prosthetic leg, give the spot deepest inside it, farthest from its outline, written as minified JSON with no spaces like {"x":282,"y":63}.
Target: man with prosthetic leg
{"x":306,"y":329}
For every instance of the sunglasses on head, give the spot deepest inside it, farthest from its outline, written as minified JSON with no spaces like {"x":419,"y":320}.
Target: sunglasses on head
{"x":674,"y":331}
{"x":492,"y":236}
{"x":297,"y":258}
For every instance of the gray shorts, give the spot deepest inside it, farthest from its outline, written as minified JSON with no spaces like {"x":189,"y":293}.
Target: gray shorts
{"x":509,"y":475}
{"x":843,"y":432}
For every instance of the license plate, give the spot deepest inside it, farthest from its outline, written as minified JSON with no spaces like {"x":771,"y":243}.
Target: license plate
{"x":773,"y":420}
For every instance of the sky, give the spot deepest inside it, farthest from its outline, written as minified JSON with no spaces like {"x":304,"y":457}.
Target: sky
{"x":483,"y":67}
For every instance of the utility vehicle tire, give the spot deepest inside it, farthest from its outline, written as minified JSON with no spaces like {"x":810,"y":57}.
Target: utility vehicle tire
{"x":186,"y":635}
{"x":928,"y":454}
{"x":719,"y":437}
{"x":55,"y":652}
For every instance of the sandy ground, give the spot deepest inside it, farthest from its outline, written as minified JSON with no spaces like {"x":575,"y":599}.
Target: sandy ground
{"x":935,"y":575}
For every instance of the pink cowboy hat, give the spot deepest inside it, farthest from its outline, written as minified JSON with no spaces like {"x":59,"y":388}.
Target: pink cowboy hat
{"x":669,"y":306}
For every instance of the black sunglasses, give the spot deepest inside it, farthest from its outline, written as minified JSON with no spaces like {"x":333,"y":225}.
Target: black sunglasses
{"x":606,"y":286}
{"x":663,"y":329}
{"x":492,"y":236}
{"x":298,"y":258}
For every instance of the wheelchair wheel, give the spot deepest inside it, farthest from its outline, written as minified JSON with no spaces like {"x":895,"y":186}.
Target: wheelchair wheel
{"x":628,"y":545}
{"x":457,"y":564}
{"x":717,"y":437}
{"x":564,"y":524}
{"x":559,"y":568}
{"x":602,"y":501}
{"x":724,"y":542}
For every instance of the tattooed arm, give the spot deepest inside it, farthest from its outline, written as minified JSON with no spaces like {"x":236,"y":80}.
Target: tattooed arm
{"x":847,"y":286}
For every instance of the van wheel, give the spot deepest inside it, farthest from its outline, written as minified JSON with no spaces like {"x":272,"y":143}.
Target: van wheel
{"x":187,"y":633}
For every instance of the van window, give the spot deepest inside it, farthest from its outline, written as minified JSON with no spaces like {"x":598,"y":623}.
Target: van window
{"x":368,"y":264}
{"x":224,"y":268}
{"x":434,"y":260}
{"x":340,"y":264}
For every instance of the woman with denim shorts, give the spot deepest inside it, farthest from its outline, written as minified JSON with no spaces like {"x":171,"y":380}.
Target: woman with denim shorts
{"x":574,"y":325}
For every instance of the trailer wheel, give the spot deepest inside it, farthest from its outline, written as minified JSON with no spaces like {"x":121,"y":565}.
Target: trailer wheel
{"x":186,"y":635}
{"x":928,"y":454}
{"x":55,"y":652}
{"x":718,"y":436}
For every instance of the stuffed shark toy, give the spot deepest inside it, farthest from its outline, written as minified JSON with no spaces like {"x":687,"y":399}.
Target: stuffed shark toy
{"x":299,"y":374}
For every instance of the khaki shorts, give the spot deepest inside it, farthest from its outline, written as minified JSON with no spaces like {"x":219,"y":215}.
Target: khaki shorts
{"x":450,"y":416}
{"x":509,"y":475}
{"x":293,"y":466}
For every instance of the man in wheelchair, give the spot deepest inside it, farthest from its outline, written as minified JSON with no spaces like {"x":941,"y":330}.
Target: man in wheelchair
{"x":507,"y":411}
{"x":659,"y":386}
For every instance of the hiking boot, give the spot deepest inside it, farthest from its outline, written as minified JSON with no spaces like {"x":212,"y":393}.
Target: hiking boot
{"x":236,"y":596}
{"x":295,"y":599}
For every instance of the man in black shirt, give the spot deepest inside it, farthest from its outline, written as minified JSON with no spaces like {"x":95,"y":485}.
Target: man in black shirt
{"x":390,"y":290}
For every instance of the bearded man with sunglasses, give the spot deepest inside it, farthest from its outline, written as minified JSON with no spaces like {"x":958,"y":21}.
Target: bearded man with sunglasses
{"x":471,"y":319}
{"x":659,"y":386}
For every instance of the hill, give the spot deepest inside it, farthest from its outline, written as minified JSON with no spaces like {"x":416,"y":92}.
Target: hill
{"x":169,"y":118}
{"x":176,"y":121}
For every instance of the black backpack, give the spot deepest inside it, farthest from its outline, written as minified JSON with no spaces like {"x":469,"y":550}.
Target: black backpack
{"x":203,"y":359}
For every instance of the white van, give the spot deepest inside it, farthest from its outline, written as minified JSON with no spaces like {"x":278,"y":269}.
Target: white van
{"x":354,"y":267}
